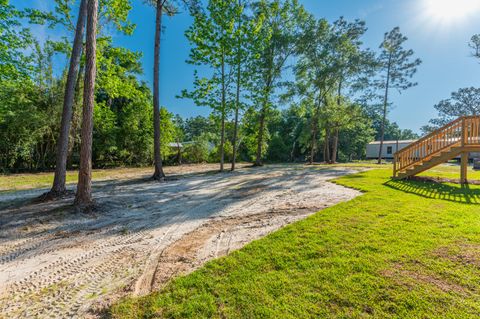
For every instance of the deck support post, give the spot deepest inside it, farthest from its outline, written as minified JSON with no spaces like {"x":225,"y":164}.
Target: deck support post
{"x":464,"y":168}
{"x":395,"y":164}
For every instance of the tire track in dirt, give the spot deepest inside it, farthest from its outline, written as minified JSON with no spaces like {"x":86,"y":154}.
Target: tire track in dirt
{"x":58,"y":283}
{"x":62,"y":265}
{"x":62,"y":273}
{"x":145,"y":281}
{"x":183,"y":255}
{"x":9,"y":253}
{"x":64,"y":298}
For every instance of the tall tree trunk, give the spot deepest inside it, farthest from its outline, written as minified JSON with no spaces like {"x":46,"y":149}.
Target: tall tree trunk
{"x":83,"y":197}
{"x":158,"y":174}
{"x":222,"y":137}
{"x":235,"y":128}
{"x":237,"y":99}
{"x":314,"y":133}
{"x":335,"y":145}
{"x":337,"y":127}
{"x":59,"y":181}
{"x":263,"y":114}
{"x":262,"y":119}
{"x":76,"y":114}
{"x":313,"y":144}
{"x":293,"y":150}
{"x":179,"y":153}
{"x":385,"y":104}
{"x":326,"y":155}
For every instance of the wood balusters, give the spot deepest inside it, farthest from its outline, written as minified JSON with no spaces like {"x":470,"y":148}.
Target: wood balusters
{"x":463,"y":132}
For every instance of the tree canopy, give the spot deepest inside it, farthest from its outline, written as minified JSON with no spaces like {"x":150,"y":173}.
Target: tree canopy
{"x":245,"y":53}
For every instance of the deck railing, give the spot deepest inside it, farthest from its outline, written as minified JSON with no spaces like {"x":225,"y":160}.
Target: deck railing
{"x":463,"y":131}
{"x":472,"y":130}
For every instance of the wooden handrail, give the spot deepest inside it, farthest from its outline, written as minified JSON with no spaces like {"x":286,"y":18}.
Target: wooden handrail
{"x":463,"y":131}
{"x":431,"y":134}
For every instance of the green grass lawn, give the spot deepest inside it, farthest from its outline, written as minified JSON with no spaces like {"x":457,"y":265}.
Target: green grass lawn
{"x":12,"y":182}
{"x":451,"y":171}
{"x":401,"y":250}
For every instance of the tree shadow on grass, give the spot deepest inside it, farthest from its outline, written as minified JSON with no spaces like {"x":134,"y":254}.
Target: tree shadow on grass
{"x":453,"y":193}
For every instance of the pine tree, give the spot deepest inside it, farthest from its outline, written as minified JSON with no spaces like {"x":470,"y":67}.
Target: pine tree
{"x":83,"y":197}
{"x":397,"y":69}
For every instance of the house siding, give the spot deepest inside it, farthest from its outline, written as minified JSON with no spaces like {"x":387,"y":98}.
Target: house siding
{"x":373,"y":149}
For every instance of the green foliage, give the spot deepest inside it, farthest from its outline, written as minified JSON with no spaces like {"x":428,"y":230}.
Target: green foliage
{"x":124,"y":110}
{"x":283,"y":23}
{"x":215,"y":153}
{"x":14,"y":39}
{"x":249,"y":131}
{"x":354,"y":137}
{"x":331,"y":60}
{"x":211,"y":36}
{"x":256,"y":38}
{"x":287,"y":129}
{"x":397,"y":63}
{"x":29,"y":114}
{"x":198,"y":126}
{"x":464,"y":102}
{"x":123,"y":125}
{"x":110,"y":12}
{"x":116,"y":12}
{"x":290,"y":131}
{"x":397,"y":67}
{"x":282,"y":28}
{"x":198,"y":150}
{"x":20,"y":127}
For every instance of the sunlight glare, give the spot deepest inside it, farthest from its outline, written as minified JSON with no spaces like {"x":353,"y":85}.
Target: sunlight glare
{"x":449,"y":11}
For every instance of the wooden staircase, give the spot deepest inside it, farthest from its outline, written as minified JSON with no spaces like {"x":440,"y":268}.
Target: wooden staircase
{"x":458,"y":138}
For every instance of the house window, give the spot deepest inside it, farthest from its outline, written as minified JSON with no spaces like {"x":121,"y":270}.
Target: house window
{"x":389,"y":150}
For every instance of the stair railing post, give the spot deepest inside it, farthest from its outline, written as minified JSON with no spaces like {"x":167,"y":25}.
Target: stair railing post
{"x":464,"y":131}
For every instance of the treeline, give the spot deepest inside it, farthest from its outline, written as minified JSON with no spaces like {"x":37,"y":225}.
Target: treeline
{"x":339,"y":88}
{"x":281,"y":86}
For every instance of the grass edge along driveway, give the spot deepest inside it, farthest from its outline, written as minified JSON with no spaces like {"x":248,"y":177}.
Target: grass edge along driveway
{"x":401,"y":250}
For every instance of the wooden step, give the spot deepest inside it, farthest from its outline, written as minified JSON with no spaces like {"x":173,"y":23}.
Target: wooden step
{"x":433,"y":161}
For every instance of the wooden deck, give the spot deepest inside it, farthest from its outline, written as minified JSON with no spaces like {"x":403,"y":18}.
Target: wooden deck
{"x":458,"y":138}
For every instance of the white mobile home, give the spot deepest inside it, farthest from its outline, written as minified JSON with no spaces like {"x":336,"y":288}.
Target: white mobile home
{"x":389,"y":148}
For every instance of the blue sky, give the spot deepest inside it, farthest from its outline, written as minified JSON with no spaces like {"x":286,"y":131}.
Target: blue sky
{"x":443,"y":47}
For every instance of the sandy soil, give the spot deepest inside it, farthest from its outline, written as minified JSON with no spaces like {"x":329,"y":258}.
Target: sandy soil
{"x":58,"y":264}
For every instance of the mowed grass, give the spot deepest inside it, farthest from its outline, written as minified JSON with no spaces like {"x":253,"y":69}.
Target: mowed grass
{"x":451,"y":171}
{"x":13,"y":182}
{"x":401,"y":250}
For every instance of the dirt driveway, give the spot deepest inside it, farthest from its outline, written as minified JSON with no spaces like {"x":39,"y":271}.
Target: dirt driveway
{"x":58,"y":264}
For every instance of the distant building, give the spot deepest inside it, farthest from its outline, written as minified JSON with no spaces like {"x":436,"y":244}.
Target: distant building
{"x":389,"y":148}
{"x":176,"y":146}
